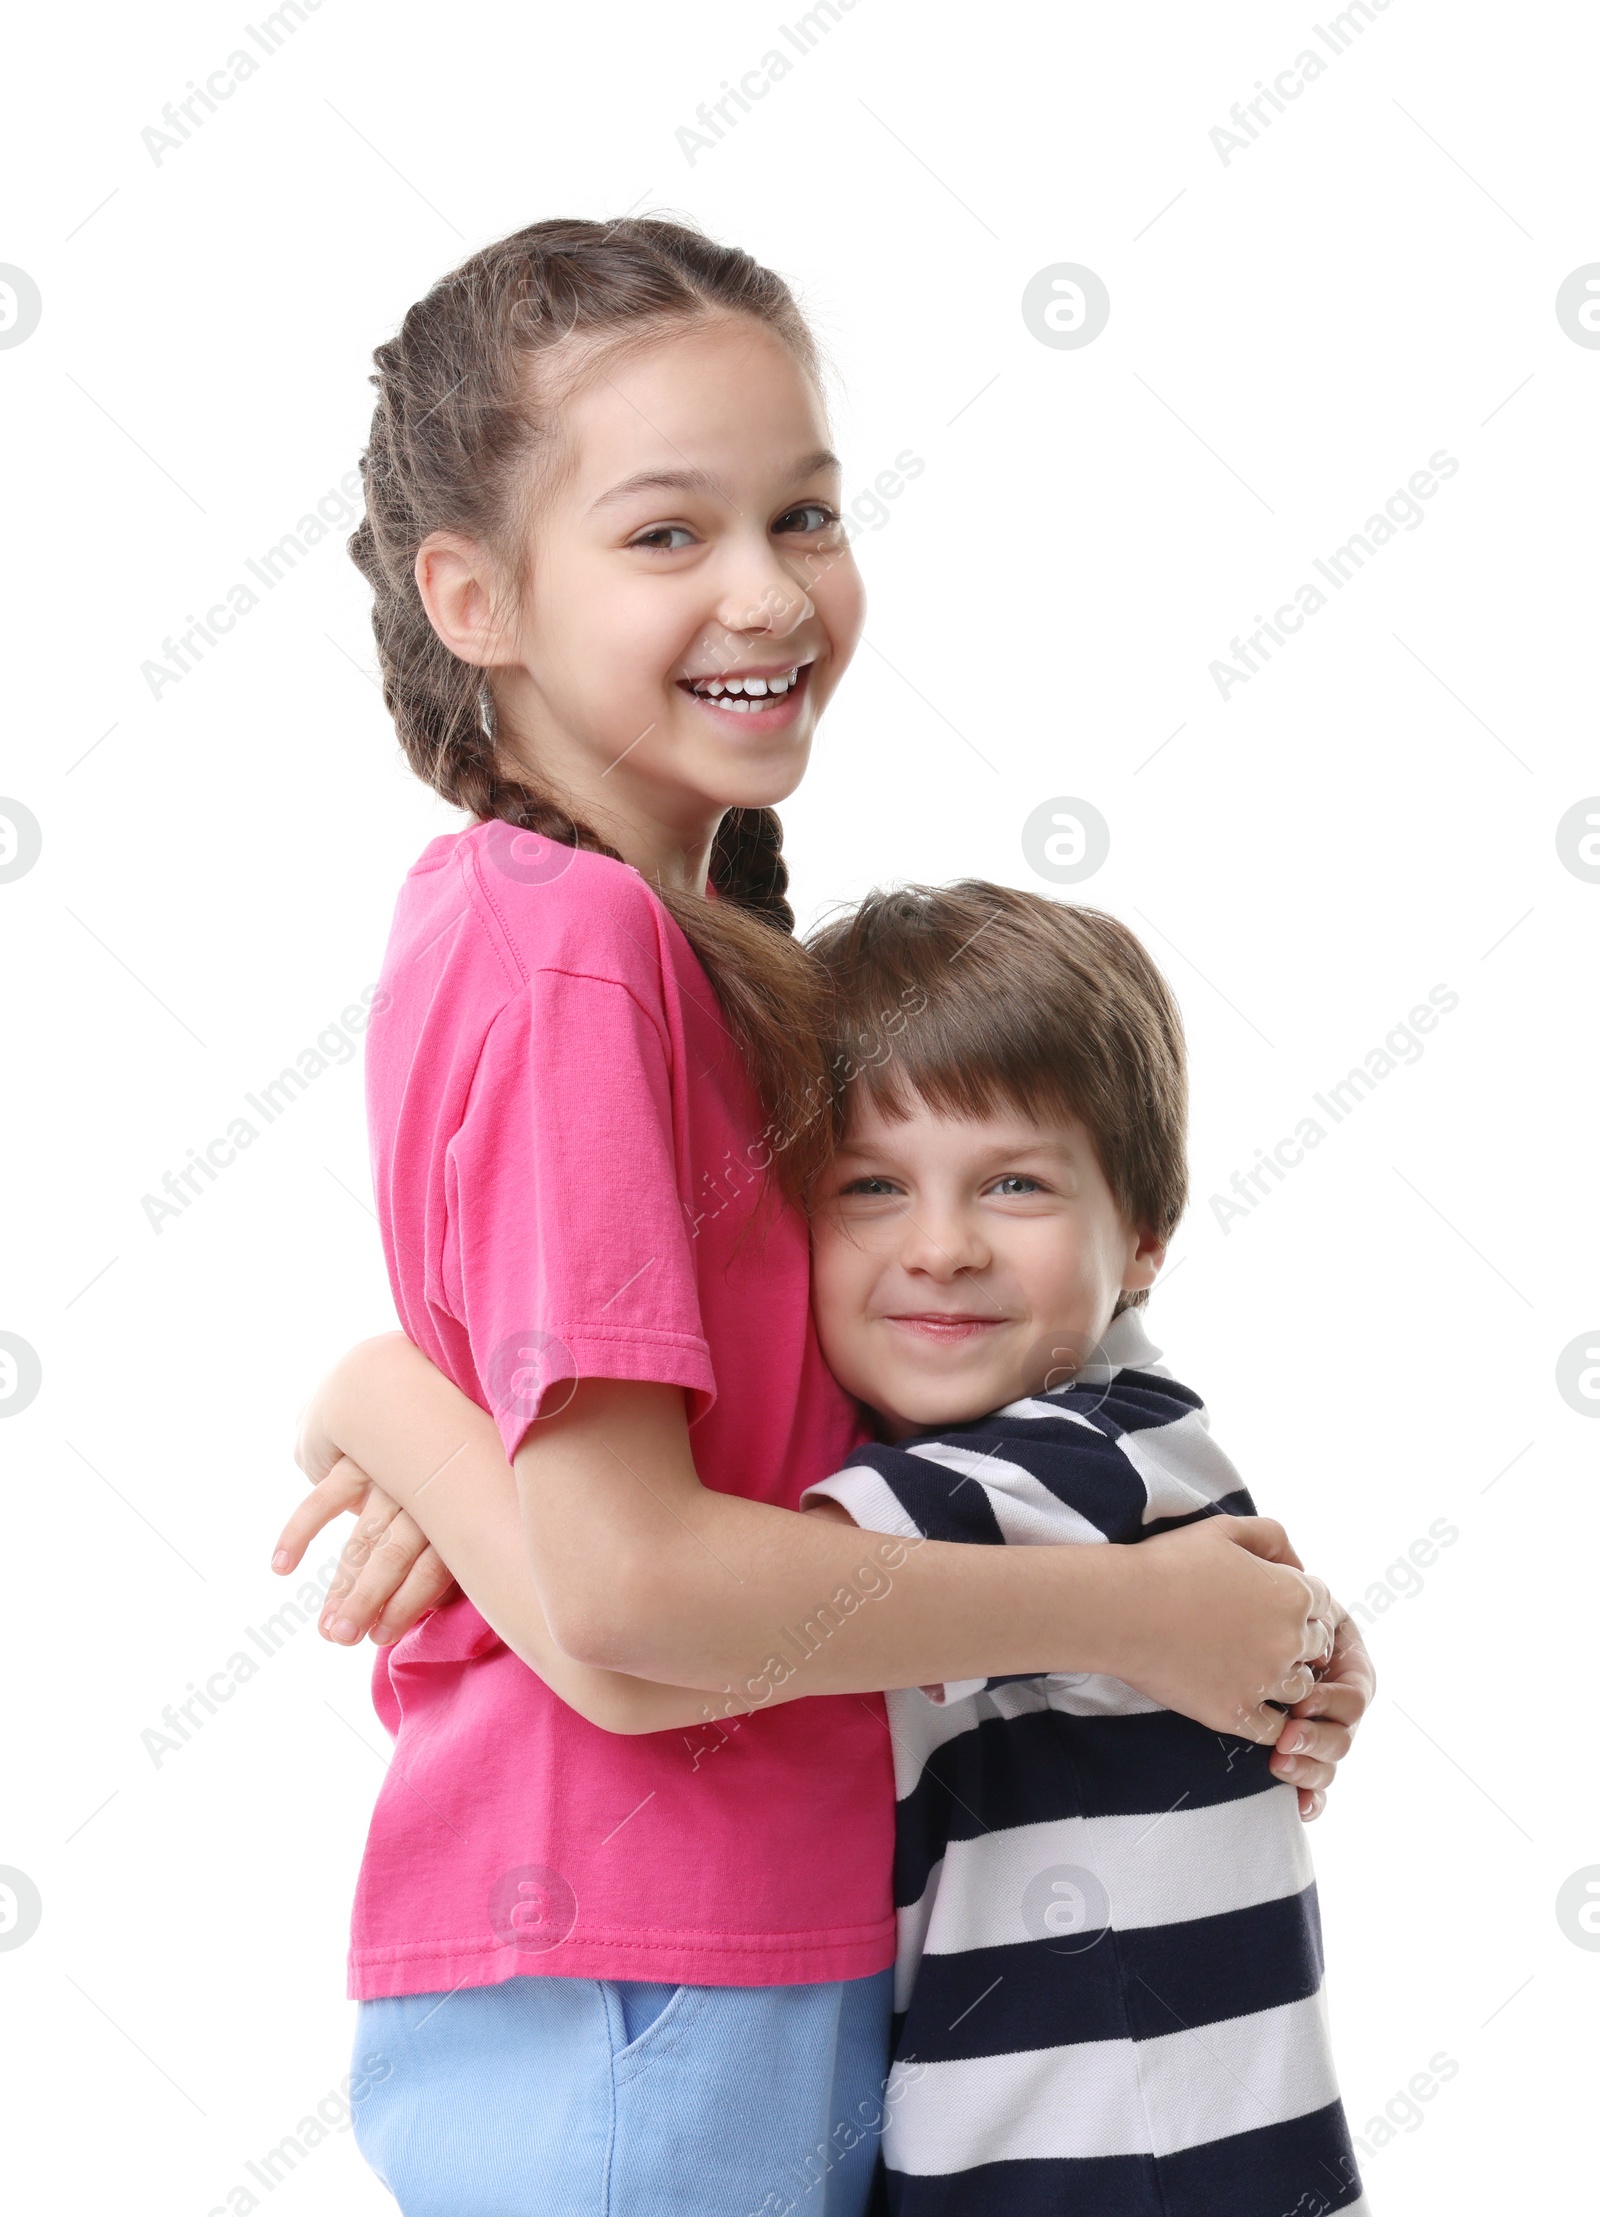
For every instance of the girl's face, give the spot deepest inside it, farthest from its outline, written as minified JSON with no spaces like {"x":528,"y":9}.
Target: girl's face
{"x":689,"y":601}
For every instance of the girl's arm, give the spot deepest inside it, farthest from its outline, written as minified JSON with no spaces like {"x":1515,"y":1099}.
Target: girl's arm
{"x":379,"y":1569}
{"x":628,"y":1564}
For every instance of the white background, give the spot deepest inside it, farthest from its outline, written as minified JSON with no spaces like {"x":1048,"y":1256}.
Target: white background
{"x":1292,"y":334}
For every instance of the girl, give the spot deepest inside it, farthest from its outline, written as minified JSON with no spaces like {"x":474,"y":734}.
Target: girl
{"x":603,"y":1971}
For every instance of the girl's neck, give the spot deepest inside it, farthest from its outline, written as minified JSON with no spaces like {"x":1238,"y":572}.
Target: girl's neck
{"x":661,"y":856}
{"x":672,"y":854}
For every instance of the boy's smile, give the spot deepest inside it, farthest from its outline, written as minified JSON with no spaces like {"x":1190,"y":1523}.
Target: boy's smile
{"x":961,"y":1263}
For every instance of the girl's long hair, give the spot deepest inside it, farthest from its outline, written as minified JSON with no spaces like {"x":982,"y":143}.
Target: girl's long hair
{"x":457,"y":434}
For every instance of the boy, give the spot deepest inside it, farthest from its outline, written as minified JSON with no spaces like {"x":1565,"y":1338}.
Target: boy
{"x":1108,"y":1993}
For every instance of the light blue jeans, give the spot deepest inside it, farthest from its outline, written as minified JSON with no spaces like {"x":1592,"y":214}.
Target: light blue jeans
{"x":577,"y":2097}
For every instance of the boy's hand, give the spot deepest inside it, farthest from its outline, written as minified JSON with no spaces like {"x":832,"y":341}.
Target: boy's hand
{"x":1317,"y":1732}
{"x":388,"y":1575}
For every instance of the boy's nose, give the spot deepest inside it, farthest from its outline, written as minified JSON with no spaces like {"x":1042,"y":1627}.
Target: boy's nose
{"x":941,"y":1245}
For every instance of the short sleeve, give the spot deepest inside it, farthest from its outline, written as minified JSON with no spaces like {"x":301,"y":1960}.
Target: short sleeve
{"x":567,"y":1249}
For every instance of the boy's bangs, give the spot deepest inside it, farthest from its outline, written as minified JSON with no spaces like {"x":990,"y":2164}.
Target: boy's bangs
{"x":976,"y":999}
{"x":967,"y":1062}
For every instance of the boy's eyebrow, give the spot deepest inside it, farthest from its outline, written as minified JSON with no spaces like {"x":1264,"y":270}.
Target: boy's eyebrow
{"x":701,"y":481}
{"x":1016,"y":1147}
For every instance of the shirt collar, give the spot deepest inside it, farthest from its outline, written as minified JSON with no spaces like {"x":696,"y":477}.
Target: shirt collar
{"x":1126,"y":1346}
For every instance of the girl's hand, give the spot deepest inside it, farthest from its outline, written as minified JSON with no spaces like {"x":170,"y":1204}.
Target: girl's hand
{"x":388,"y":1575}
{"x":1218,"y":1621}
{"x":1317,"y":1732}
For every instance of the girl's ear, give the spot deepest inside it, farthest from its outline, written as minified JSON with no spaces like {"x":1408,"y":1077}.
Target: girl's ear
{"x":1144,"y":1265}
{"x":456,"y":583}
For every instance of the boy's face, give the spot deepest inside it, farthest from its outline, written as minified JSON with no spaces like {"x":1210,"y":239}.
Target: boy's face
{"x":960,"y":1264}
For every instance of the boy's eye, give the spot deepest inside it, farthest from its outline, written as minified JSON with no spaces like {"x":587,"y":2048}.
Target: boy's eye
{"x":1016,"y":1182}
{"x":669,"y":537}
{"x":810,"y":515}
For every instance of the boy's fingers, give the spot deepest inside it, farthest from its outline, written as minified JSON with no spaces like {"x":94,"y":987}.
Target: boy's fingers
{"x":344,"y":1489}
{"x":1294,"y":1770}
{"x":1308,"y":1755}
{"x":378,"y":1512}
{"x":1350,"y":1665}
{"x":1293,"y":1689}
{"x":1322,"y":1616}
{"x":1320,"y":1743}
{"x":425,"y":1586}
{"x":1330,"y":1697}
{"x":375,"y":1565}
{"x":1312,"y":1805}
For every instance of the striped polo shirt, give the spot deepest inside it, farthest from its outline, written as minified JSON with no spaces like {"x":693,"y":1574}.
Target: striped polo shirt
{"x":1109,"y":1995}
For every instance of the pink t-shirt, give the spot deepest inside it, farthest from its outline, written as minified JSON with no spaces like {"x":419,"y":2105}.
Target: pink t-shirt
{"x":562,"y":1139}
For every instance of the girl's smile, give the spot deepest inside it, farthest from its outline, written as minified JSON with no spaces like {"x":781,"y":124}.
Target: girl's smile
{"x":765,"y":699}
{"x":683,"y":600}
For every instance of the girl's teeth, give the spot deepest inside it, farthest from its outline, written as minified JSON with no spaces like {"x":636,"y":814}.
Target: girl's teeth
{"x":741,"y":693}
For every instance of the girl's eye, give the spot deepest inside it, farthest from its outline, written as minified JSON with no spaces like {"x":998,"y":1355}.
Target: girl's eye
{"x":870,"y":1188}
{"x":811,"y":515}
{"x":667,"y":537}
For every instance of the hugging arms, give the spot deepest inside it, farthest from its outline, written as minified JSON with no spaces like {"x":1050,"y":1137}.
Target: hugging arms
{"x":649,"y":1602}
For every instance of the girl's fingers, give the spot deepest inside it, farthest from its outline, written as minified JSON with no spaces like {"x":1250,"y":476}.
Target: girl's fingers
{"x":1312,"y":1805}
{"x":1266,"y":1537}
{"x":343,"y":1490}
{"x":377,"y":1560}
{"x":425,"y":1586}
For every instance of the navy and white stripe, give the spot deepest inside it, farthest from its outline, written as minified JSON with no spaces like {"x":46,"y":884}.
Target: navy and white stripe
{"x":1109,"y":1987}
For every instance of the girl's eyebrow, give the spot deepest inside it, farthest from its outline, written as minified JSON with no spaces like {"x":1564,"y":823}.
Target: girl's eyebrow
{"x":702,"y":481}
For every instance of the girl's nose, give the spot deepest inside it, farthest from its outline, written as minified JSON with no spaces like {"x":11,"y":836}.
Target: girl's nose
{"x":762,"y":596}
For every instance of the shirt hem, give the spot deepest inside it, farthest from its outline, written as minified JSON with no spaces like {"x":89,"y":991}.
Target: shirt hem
{"x":430,"y":1967}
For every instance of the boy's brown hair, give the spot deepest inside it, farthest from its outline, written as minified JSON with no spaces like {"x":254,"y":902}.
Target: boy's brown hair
{"x":974,"y":996}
